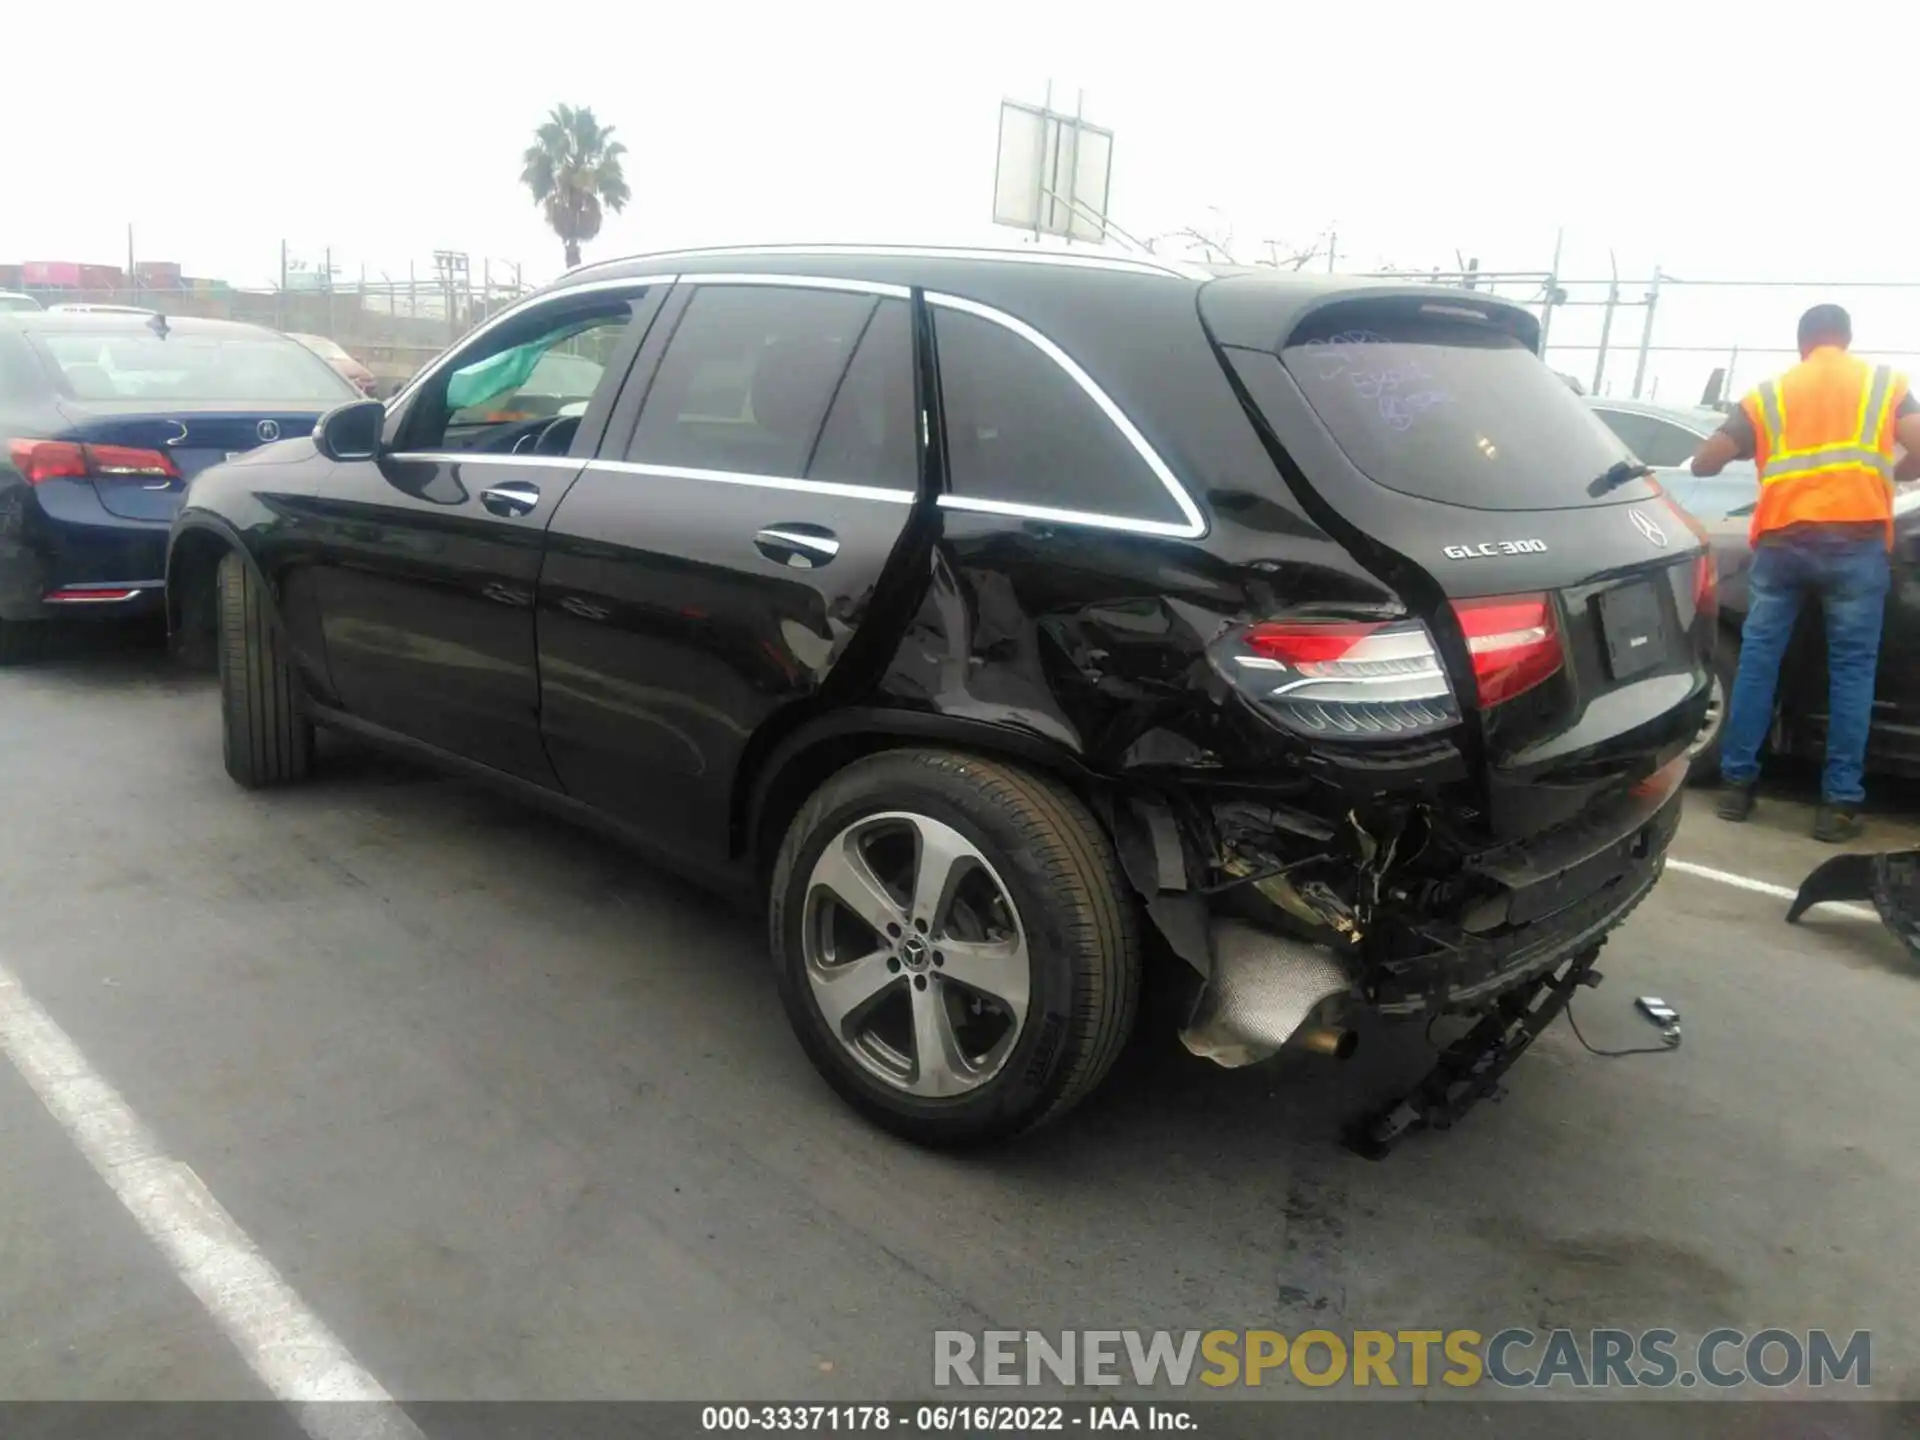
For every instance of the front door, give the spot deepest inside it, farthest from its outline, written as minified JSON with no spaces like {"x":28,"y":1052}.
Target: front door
{"x":1899,"y":687}
{"x":717,"y":559}
{"x":424,"y":563}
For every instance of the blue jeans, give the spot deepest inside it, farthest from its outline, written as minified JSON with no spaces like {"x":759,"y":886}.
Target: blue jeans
{"x":1851,"y":577}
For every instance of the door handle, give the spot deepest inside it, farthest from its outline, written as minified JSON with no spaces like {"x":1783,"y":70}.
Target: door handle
{"x":514,"y":497}
{"x":803,"y":547}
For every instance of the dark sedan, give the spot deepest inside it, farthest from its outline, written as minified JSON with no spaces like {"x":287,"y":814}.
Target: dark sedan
{"x":104,"y":418}
{"x":1801,"y":722}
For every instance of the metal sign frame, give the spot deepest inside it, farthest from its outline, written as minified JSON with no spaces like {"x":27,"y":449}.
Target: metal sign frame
{"x":1055,"y":211}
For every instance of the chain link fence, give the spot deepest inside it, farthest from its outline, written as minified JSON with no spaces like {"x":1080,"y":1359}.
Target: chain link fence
{"x":390,"y":327}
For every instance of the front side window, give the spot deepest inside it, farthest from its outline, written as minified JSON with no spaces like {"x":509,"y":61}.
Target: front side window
{"x":748,"y":380}
{"x":1021,"y":430}
{"x":512,"y":389}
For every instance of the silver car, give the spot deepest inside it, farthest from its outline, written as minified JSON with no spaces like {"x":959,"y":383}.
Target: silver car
{"x":1666,"y":438}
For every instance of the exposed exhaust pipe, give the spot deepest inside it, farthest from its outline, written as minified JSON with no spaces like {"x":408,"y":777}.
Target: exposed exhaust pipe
{"x":1326,"y":1040}
{"x":1263,"y":988}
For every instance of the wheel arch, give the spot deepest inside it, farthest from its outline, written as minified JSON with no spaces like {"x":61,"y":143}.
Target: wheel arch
{"x":777,"y":775}
{"x":193,"y":565}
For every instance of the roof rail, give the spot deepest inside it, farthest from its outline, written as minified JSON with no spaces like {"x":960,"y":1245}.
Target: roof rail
{"x":1140,"y":265}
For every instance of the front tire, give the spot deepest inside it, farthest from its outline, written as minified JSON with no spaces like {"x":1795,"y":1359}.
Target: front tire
{"x":956,"y":946}
{"x":266,"y":739}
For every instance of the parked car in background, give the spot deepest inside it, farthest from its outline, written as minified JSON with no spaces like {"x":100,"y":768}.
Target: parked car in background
{"x":348,"y":368}
{"x":12,"y":301}
{"x":972,"y":612}
{"x":78,"y":308}
{"x":1801,"y":723}
{"x":104,"y":418}
{"x":1666,"y":438}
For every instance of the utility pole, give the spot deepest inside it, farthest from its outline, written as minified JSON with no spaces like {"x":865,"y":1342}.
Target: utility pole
{"x":1553,"y":290}
{"x":1606,"y":323}
{"x":280,"y":298}
{"x":1646,"y":333}
{"x":133,"y":274}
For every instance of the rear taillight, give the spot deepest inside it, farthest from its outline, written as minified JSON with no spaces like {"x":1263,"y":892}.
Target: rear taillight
{"x":1514,"y":641}
{"x":1355,"y":679}
{"x":1706,"y":584}
{"x":1706,"y":576}
{"x":42,"y":460}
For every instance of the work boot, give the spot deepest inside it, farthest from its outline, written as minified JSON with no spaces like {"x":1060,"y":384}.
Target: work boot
{"x":1736,"y":803}
{"x":1835,"y":823}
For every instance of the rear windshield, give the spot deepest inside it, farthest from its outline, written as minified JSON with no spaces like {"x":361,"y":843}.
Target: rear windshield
{"x":141,"y":366}
{"x":1456,"y":411}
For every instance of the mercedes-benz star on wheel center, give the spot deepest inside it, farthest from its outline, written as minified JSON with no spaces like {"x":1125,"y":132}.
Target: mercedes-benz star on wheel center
{"x":1005,"y":624}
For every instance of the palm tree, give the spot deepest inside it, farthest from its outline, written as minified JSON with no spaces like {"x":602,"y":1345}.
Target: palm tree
{"x":573,"y":168}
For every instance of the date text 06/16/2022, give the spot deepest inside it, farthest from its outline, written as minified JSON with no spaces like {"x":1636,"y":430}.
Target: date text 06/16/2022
{"x":946,"y":1419}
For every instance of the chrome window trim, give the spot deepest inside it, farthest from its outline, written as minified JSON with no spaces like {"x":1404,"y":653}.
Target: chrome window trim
{"x":518,"y":308}
{"x":837,"y":488}
{"x":805,"y":282}
{"x":1124,"y":264}
{"x":455,"y":457}
{"x":1195,"y":524}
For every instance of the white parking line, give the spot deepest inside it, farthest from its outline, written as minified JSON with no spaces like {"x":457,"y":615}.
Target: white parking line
{"x":1765,"y":887}
{"x":282,"y":1341}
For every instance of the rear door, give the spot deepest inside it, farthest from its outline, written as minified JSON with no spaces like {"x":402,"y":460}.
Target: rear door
{"x":717,"y":561}
{"x":1426,"y":432}
{"x":420,"y":566}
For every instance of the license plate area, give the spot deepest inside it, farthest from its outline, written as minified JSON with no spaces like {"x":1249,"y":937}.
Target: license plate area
{"x":1632,"y":629}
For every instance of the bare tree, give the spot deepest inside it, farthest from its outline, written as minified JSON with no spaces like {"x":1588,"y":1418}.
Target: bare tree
{"x":1216,"y":243}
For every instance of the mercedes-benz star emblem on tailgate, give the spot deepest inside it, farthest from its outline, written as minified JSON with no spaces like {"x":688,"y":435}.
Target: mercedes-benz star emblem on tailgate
{"x":270,"y":430}
{"x":1648,"y":528}
{"x":176,"y":439}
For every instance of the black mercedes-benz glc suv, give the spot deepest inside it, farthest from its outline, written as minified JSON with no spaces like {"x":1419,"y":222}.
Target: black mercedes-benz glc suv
{"x":1002,"y":624}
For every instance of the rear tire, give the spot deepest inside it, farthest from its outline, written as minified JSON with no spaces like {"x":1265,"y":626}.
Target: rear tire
{"x":266,"y":739}
{"x":14,"y":642}
{"x":1703,"y":759}
{"x":1025,"y":978}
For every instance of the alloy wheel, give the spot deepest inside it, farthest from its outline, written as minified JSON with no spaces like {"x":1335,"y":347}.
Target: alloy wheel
{"x":915,"y":954}
{"x":1716,"y":716}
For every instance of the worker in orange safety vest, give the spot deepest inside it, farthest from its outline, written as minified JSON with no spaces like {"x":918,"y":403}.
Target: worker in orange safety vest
{"x":1822,"y":437}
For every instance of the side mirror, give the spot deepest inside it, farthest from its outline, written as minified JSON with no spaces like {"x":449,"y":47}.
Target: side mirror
{"x":351,"y":431}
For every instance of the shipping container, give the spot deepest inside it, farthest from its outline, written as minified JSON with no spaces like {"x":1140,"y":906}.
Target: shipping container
{"x":61,"y":274}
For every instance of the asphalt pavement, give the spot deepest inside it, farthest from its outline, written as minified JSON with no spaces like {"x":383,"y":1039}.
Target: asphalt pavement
{"x":518,"y":1117}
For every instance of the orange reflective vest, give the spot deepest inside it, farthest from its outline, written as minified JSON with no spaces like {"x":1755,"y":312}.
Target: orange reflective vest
{"x":1823,"y":443}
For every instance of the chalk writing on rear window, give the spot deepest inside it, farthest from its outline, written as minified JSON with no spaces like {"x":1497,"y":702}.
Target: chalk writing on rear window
{"x":1395,"y":381}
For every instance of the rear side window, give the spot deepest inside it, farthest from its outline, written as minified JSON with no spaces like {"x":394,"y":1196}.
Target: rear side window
{"x":748,"y":378}
{"x":1455,"y":411}
{"x":1654,"y":441}
{"x":20,"y":376}
{"x":1021,"y":430}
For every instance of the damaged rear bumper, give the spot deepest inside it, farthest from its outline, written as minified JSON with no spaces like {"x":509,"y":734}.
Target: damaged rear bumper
{"x":1536,"y":903}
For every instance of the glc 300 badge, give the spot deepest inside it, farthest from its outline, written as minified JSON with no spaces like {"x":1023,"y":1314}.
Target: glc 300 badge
{"x":1493,"y":549}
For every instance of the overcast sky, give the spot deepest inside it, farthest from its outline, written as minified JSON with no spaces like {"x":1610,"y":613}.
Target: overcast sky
{"x":386,"y":131}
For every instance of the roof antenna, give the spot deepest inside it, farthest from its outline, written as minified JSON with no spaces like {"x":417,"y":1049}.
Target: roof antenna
{"x":158,"y":324}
